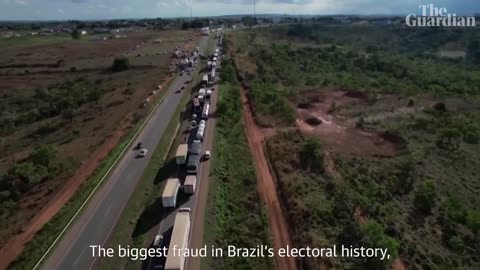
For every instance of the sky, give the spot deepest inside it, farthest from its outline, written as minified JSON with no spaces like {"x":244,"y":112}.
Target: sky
{"x":116,"y":9}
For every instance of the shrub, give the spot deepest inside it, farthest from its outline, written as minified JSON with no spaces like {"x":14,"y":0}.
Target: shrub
{"x":425,"y":196}
{"x":120,"y":64}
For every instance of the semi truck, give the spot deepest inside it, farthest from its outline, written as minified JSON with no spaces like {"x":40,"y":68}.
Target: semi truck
{"x":201,"y":129}
{"x":169,"y":195}
{"x":206,"y":108}
{"x":192,"y":164}
{"x":196,"y":105}
{"x":179,"y":241}
{"x":189,"y":185}
{"x":181,"y":155}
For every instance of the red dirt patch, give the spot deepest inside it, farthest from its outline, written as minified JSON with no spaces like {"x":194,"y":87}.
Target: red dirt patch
{"x":340,"y":134}
{"x":266,"y":185}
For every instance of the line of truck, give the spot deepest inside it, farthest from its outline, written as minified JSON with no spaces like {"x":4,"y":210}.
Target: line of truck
{"x":188,"y":157}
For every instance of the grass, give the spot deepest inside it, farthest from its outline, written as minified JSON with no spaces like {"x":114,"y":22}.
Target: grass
{"x":33,"y":40}
{"x":235,"y":214}
{"x":35,"y":249}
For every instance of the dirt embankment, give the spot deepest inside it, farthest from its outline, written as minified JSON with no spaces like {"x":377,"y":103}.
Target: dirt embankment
{"x":317,"y":116}
{"x":267,"y":187}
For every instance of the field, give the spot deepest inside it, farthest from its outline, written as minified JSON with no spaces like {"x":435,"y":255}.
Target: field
{"x":376,"y":138}
{"x":235,"y":215}
{"x":63,"y":110}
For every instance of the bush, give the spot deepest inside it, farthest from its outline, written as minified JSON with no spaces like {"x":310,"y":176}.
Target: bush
{"x":120,"y":64}
{"x":425,"y":196}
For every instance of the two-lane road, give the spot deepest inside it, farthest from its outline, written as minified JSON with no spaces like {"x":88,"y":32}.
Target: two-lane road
{"x":97,"y":221}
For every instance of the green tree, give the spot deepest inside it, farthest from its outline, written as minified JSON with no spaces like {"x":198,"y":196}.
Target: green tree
{"x":94,"y":95}
{"x":128,"y":92}
{"x":473,"y":222}
{"x":44,"y":155}
{"x":76,"y":34}
{"x":312,"y":154}
{"x":120,"y":64}
{"x":374,"y":236}
{"x":449,"y":138}
{"x":425,"y":197}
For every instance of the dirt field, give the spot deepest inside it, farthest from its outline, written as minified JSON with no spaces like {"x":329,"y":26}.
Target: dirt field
{"x":267,"y":187}
{"x":342,"y":134}
{"x":96,"y":128}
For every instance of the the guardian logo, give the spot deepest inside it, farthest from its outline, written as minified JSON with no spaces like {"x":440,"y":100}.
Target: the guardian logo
{"x":432,"y":16}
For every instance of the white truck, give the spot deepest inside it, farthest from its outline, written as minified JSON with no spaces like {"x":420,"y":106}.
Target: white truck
{"x":181,"y":155}
{"x":179,"y":240}
{"x":205,"y":111}
{"x":201,"y":130}
{"x":189,"y":185}
{"x":169,"y":195}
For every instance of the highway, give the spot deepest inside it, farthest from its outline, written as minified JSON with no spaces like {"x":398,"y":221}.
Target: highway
{"x":97,"y":221}
{"x":197,"y":201}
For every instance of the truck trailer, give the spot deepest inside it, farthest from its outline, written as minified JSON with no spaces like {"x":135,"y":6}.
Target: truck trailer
{"x":181,"y":155}
{"x":169,"y":195}
{"x":206,"y":108}
{"x":192,"y":164}
{"x":189,"y":185}
{"x":179,"y":241}
{"x":201,"y":128}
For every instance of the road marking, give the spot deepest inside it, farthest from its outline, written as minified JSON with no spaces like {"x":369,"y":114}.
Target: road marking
{"x":108,"y":209}
{"x":101,"y":180}
{"x":76,"y":261}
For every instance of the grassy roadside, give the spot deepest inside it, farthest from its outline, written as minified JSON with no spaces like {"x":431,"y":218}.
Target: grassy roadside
{"x":42,"y":240}
{"x":235,"y":215}
{"x":144,"y":208}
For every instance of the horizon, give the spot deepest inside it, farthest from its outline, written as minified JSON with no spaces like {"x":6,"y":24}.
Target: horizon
{"x":91,"y":10}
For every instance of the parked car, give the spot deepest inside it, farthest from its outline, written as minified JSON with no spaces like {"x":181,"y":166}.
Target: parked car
{"x":139,"y":145}
{"x":207,"y":155}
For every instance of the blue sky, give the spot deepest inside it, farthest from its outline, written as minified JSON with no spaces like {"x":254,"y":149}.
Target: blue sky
{"x":108,"y":9}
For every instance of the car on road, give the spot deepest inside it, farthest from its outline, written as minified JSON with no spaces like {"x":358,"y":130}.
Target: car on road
{"x":143,"y":152}
{"x":183,"y":87}
{"x":181,"y":73}
{"x":207,"y":155}
{"x":139,"y":145}
{"x":178,"y":91}
{"x":158,"y":240}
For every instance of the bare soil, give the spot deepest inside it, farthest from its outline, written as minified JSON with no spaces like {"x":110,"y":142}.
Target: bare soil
{"x":266,"y":184}
{"x":341,"y":134}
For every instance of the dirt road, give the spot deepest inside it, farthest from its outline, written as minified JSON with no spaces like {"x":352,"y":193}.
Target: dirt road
{"x":267,"y":188}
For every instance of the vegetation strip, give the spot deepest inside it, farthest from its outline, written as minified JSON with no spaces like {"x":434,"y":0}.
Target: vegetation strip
{"x":235,"y":213}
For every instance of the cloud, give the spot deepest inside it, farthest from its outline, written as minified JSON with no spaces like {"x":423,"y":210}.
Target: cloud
{"x":79,"y":1}
{"x":6,"y":2}
{"x":21,"y":2}
{"x":160,"y":4}
{"x":61,"y":11}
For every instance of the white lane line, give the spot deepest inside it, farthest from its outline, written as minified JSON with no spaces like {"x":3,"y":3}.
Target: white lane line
{"x":108,"y":209}
{"x":76,"y":261}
